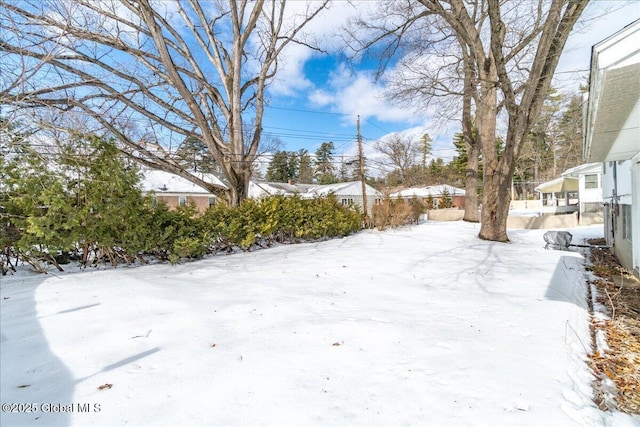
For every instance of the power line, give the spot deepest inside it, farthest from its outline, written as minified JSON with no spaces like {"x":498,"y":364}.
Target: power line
{"x":300,"y":110}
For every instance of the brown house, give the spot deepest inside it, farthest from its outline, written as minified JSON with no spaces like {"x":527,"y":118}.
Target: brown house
{"x":176,"y":191}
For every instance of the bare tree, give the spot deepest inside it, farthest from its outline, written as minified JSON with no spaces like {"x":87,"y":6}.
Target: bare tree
{"x":436,"y":75}
{"x":514,"y":58}
{"x":508,"y":52}
{"x":154,"y":74}
{"x":401,"y":152}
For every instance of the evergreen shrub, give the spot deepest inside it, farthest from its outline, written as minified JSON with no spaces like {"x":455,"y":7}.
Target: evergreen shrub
{"x":88,"y":207}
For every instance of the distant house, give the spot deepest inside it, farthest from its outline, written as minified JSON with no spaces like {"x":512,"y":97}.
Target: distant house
{"x":612,"y":137}
{"x":559,"y":196}
{"x":434,"y":193}
{"x":176,"y":191}
{"x":345,"y":192}
{"x":589,"y":177}
{"x":578,"y":189}
{"x":263,"y":189}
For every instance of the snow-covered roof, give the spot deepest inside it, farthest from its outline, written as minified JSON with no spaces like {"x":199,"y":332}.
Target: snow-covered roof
{"x":433,"y":191}
{"x":353,"y":188}
{"x":343,"y":189}
{"x":165,"y":182}
{"x":262,"y":189}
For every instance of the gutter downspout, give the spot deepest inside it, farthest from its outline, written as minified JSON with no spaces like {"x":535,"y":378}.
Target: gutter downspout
{"x":614,"y":204}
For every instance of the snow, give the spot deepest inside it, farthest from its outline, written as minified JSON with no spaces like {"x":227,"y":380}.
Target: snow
{"x":434,"y":191}
{"x":309,"y":191}
{"x":165,"y":182}
{"x":426,"y":325}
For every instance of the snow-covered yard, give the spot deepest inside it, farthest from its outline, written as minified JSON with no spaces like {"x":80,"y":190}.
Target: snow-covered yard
{"x":426,"y":325}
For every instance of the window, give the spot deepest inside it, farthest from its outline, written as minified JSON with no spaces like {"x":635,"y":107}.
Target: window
{"x":377,"y":201}
{"x":547,"y":199}
{"x":591,"y":181}
{"x":212,"y":201}
{"x":626,"y":222}
{"x":346,"y":202}
{"x":573,"y":198}
{"x":182,"y":200}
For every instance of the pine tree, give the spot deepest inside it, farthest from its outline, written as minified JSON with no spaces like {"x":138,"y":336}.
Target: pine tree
{"x":325,"y":170}
{"x":445,"y":200}
{"x":196,"y":157}
{"x":83,"y":198}
{"x":279,"y":169}
{"x":425,"y":149}
{"x":305,"y":167}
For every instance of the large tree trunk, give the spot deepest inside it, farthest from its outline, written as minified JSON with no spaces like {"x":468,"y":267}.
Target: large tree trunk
{"x":472,"y":146}
{"x":496,"y":195}
{"x":495,"y":203}
{"x":239,"y":186}
{"x":471,"y":183}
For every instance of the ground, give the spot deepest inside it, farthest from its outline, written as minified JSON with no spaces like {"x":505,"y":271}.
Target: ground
{"x":617,"y":296}
{"x":424,"y":325}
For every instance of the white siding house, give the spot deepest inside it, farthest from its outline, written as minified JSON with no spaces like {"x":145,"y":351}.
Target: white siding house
{"x":559,"y":196}
{"x":589,"y":192}
{"x":612,"y":137}
{"x":348,"y":192}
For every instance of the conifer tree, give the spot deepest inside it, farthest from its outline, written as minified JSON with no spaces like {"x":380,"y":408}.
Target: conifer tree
{"x":305,"y":167}
{"x":325,"y":170}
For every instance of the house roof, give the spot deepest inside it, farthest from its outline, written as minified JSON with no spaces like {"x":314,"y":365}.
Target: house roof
{"x":587,"y":168}
{"x":352,"y":188}
{"x":559,"y":185}
{"x":164,"y":182}
{"x":433,"y":191}
{"x":613,"y":109}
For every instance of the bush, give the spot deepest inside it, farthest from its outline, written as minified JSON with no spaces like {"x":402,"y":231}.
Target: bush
{"x":277,"y":219}
{"x":396,"y":213}
{"x":91,"y":209}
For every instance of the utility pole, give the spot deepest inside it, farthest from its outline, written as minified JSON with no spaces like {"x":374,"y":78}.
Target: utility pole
{"x":362,"y":178}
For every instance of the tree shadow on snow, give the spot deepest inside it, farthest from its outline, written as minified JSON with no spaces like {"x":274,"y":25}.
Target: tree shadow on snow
{"x":30,"y":373}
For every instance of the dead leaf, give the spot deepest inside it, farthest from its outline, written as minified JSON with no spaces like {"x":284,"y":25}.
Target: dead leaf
{"x":213,"y":345}
{"x":335,"y":344}
{"x":105,"y":386}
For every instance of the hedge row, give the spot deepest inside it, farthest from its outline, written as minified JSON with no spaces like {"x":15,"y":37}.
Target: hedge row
{"x":90,"y":209}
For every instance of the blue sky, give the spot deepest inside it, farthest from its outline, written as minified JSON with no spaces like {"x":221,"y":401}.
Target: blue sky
{"x":317,"y":97}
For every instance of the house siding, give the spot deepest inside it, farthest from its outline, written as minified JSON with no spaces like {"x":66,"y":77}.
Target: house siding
{"x":621,"y":184}
{"x":591,"y":205}
{"x":622,"y":246}
{"x":635,"y":215}
{"x":173,"y":200}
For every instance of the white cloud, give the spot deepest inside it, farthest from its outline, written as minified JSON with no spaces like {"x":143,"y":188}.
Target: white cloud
{"x":323,"y":31}
{"x":361,"y":95}
{"x":290,"y":78}
{"x":321,"y":98}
